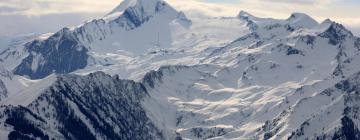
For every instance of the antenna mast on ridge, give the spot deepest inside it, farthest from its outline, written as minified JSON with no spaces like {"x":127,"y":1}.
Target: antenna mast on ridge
{"x":157,"y":44}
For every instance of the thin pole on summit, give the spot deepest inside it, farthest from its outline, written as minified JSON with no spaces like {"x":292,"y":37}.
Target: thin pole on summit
{"x":157,"y":44}
{"x":158,"y":39}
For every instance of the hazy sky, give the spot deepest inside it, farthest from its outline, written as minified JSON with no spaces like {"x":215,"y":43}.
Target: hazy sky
{"x":39,"y":16}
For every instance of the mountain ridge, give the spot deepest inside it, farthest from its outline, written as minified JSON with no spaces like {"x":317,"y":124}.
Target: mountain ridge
{"x":151,"y":73}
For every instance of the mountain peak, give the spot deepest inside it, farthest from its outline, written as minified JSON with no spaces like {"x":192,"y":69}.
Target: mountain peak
{"x":139,"y":11}
{"x":328,"y":24}
{"x":334,"y":31}
{"x":133,"y":13}
{"x":327,"y":21}
{"x":297,"y":16}
{"x":123,"y":6}
{"x":147,"y":6}
{"x":250,"y":19}
{"x":244,"y":14}
{"x":302,"y":20}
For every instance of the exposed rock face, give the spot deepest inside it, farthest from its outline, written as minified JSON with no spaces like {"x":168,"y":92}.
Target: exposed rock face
{"x":3,"y":90}
{"x":277,"y":79}
{"x":61,"y":53}
{"x":67,"y":50}
{"x":97,"y":106}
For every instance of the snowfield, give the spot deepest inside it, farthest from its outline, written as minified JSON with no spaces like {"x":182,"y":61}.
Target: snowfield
{"x":241,"y":77}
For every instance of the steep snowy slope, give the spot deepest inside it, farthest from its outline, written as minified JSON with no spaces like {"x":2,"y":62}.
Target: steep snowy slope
{"x":189,"y":46}
{"x":103,"y":108}
{"x":33,"y":56}
{"x":240,"y":77}
{"x":128,"y":34}
{"x":84,"y":44}
{"x":14,"y":51}
{"x":333,"y":114}
{"x":245,"y":88}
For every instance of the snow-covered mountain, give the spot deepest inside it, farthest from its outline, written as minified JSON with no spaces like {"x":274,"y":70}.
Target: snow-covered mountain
{"x":97,"y":106}
{"x":241,"y":77}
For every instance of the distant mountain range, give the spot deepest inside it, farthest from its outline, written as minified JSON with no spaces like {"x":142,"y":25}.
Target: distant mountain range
{"x":147,"y":71}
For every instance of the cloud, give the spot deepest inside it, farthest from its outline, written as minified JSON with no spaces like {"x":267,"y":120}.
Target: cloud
{"x":196,"y":8}
{"x":8,"y":9}
{"x":293,"y":1}
{"x":303,"y":2}
{"x":13,"y":25}
{"x":44,"y":7}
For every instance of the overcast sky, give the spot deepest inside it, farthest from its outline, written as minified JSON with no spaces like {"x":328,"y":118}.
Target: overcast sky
{"x":41,"y":16}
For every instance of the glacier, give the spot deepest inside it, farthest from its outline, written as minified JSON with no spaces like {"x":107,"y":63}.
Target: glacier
{"x":147,"y":71}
